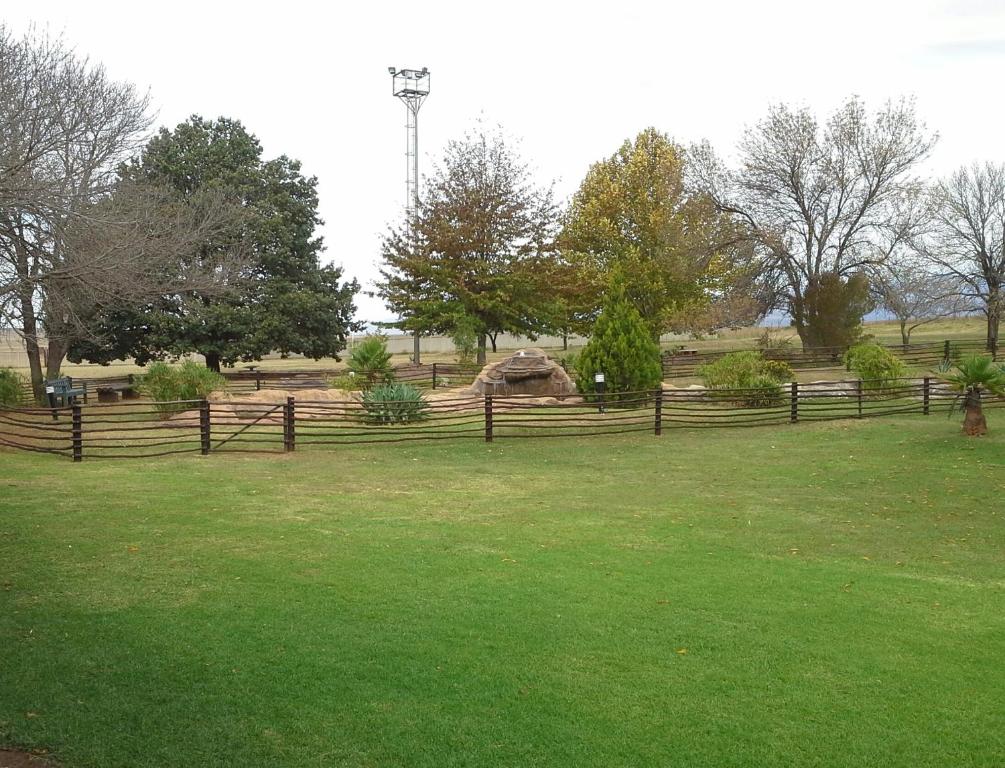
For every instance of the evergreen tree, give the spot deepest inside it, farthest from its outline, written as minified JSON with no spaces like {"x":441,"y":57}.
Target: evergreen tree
{"x":273,"y":295}
{"x":621,"y":348}
{"x":833,"y":309}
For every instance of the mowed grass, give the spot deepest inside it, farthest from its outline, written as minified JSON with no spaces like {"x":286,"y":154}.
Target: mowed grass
{"x":819,"y":595}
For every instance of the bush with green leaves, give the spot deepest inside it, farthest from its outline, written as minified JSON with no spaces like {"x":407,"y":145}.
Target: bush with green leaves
{"x":12,"y":387}
{"x":622,"y":349}
{"x":345,"y":381}
{"x":747,"y":379}
{"x":370,"y":362}
{"x":395,"y":403}
{"x":877,"y":366}
{"x":465,"y":339}
{"x":570,"y":362}
{"x":165,"y":383}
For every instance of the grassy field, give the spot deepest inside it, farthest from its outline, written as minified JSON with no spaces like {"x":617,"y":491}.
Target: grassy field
{"x":821,"y":595}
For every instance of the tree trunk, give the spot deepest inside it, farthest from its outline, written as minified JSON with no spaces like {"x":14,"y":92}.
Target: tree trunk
{"x":565,"y":342}
{"x":213,"y":361}
{"x":29,"y":329}
{"x":905,"y":335}
{"x":54,"y":360}
{"x":974,"y":423}
{"x":481,"y":349}
{"x":994,"y":321}
{"x":492,"y":338}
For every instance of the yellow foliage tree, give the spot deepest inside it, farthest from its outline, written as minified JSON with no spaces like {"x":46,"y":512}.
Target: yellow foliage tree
{"x":634,"y":213}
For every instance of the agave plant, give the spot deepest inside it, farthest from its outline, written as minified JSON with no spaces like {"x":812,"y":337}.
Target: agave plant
{"x":974,"y":376}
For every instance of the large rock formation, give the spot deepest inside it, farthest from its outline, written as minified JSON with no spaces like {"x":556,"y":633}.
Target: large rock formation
{"x":527,"y":372}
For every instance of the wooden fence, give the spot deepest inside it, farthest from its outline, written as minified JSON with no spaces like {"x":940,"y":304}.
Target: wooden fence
{"x":683,"y":363}
{"x":137,"y":429}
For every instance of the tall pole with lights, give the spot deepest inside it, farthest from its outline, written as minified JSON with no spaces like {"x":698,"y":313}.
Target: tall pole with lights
{"x":412,"y":87}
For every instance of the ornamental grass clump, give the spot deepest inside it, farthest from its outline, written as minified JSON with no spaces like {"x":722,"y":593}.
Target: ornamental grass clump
{"x":747,"y":379}
{"x":165,"y":384}
{"x":394,"y":404}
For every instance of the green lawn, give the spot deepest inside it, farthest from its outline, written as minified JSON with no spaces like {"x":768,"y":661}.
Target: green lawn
{"x":816,"y":595}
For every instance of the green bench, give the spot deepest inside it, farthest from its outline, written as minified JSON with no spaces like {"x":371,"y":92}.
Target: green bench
{"x":61,"y":393}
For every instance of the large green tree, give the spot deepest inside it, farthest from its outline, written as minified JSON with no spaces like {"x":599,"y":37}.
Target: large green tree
{"x":271,"y":293}
{"x":479,"y":248}
{"x":634,"y":213}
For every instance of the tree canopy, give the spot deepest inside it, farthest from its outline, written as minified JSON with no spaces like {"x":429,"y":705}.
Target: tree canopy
{"x":270,"y":294}
{"x":968,"y":240}
{"x":633,"y":212}
{"x":64,"y":126}
{"x":479,"y":248}
{"x":817,"y":199}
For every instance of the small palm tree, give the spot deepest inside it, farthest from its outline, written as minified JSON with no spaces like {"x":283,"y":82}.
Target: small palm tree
{"x":370,"y":362}
{"x":975,"y":376}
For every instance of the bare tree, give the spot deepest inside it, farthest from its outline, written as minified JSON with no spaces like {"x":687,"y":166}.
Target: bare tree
{"x":818,"y":200}
{"x":968,"y":243}
{"x":123,"y":252}
{"x":910,"y":291}
{"x":65,"y":127}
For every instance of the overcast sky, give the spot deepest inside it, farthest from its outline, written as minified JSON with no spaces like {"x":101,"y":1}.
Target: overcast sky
{"x":571,"y":80}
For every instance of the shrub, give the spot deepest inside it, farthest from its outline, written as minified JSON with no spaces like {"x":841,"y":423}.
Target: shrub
{"x":772,"y":338}
{"x":746,"y":378}
{"x":465,"y":338}
{"x":189,"y":381}
{"x":370,"y":362}
{"x":344,"y":381}
{"x":570,"y":362}
{"x":620,"y":348}
{"x":12,"y":386}
{"x":875,"y":365}
{"x":394,"y":404}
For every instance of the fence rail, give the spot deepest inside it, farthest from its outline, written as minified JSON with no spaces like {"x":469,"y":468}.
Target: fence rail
{"x":684,"y":363}
{"x":680,"y":363}
{"x":139,"y":429}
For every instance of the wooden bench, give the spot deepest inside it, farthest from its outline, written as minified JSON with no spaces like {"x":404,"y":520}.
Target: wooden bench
{"x":61,"y":393}
{"x":109,"y":393}
{"x":302,"y":383}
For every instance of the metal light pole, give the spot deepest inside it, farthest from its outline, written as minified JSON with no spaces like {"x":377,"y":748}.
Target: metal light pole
{"x":412,"y":87}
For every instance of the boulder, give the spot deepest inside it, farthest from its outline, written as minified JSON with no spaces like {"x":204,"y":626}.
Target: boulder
{"x":527,"y":372}
{"x":690,"y":392}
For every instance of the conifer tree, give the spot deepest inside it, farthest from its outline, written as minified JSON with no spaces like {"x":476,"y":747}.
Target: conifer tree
{"x":621,"y":348}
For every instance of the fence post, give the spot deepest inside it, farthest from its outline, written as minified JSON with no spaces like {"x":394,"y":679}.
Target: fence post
{"x":659,"y":411}
{"x":204,"y":422}
{"x":794,"y":403}
{"x":290,"y":425}
{"x":434,"y":375}
{"x":946,"y":353}
{"x":488,"y":418}
{"x":258,"y":381}
{"x":77,"y":433}
{"x":926,"y":395}
{"x":858,"y":394}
